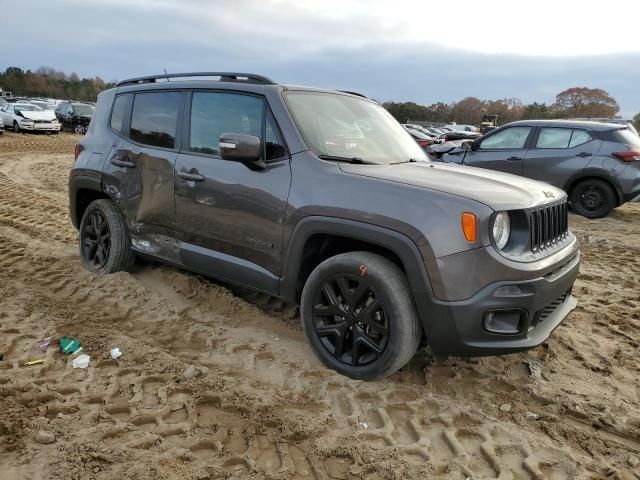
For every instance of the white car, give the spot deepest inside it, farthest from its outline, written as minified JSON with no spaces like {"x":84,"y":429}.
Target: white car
{"x":28,"y":117}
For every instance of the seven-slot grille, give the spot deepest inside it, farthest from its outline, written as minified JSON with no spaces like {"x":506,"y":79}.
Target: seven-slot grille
{"x":548,"y":225}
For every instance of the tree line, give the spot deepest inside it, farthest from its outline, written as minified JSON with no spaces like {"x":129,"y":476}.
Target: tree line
{"x":51,"y":83}
{"x":579,"y":102}
{"x":573,"y":102}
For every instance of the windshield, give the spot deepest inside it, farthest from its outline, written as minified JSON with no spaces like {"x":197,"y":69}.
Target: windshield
{"x":343,"y":126}
{"x":27,"y":108}
{"x":84,"y":109}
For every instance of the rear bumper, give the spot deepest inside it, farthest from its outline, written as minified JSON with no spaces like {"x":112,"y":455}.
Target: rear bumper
{"x":460,"y":327}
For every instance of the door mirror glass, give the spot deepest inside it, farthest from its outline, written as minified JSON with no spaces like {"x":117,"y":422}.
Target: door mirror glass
{"x":468,"y":145}
{"x":240,"y":148}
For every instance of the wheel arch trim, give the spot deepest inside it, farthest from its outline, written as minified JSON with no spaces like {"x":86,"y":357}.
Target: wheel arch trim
{"x":77,"y":183}
{"x":396,"y":242}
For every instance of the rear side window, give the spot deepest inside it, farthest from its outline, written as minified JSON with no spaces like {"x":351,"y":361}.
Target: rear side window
{"x":215,"y":113}
{"x":579,"y":137}
{"x":561,"y":137}
{"x":554,"y":138}
{"x":154,"y":118}
{"x":513,"y":137}
{"x":627,"y":137}
{"x":118,"y":112}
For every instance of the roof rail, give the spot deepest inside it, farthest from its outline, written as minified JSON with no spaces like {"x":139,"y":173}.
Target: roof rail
{"x":224,"y":77}
{"x":354,"y":93}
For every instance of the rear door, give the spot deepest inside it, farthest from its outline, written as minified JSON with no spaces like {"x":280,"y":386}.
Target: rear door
{"x":558,"y":153}
{"x":503,"y":151}
{"x":140,"y":166}
{"x":229,"y":215}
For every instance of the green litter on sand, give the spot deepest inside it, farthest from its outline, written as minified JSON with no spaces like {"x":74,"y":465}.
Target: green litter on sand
{"x":69,"y":345}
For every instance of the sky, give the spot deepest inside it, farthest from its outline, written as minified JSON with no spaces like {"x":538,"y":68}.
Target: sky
{"x":397,"y":50}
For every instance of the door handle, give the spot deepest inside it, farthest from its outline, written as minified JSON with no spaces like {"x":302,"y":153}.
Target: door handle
{"x":191,"y":176}
{"x":123,"y":162}
{"x":513,"y":159}
{"x":584,"y":154}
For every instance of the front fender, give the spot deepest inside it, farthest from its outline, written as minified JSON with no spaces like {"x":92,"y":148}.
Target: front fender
{"x":399,"y":244}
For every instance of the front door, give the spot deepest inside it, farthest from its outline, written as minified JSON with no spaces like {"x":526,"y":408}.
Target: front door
{"x":229,"y":214}
{"x":503,"y":151}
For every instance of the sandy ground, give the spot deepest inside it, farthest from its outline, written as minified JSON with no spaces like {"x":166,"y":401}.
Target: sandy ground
{"x":257,"y":404}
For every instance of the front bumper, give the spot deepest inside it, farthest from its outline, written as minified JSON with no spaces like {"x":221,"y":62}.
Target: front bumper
{"x":459,"y":327}
{"x":41,"y":127}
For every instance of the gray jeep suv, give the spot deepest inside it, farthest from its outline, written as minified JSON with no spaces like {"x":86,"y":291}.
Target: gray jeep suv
{"x":597,"y":164}
{"x":322,"y":198}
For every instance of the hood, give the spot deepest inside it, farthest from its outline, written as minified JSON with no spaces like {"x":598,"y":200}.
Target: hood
{"x":46,"y":115}
{"x":497,"y":190}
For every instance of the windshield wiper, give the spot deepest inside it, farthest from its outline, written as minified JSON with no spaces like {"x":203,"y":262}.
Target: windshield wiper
{"x":338,"y":158}
{"x":411,"y":160}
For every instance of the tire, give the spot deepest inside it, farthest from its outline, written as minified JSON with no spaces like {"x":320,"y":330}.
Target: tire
{"x":16,"y":127}
{"x":79,"y":129}
{"x":107,"y":251}
{"x":395,"y":319}
{"x":593,"y":198}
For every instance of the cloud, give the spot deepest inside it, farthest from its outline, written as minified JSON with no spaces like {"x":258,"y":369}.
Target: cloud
{"x":406,"y":51}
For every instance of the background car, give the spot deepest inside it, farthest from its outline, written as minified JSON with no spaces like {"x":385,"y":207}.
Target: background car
{"x":462,"y":128}
{"x":422,"y":139}
{"x":597,"y":164}
{"x":28,"y":117}
{"x":74,"y":116}
{"x":458,"y":135}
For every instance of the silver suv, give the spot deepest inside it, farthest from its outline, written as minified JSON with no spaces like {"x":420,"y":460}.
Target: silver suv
{"x":322,"y":198}
{"x":597,"y":164}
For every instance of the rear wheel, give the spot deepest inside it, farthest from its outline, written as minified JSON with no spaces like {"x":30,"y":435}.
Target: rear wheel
{"x":593,"y":198}
{"x":104,"y":239}
{"x":358,"y":315}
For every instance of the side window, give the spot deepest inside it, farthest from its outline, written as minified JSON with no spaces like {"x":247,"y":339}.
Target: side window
{"x":273,"y":143}
{"x":215,"y":113}
{"x":69,"y":110}
{"x":554,"y":138}
{"x":514,"y":137}
{"x":117,"y":114}
{"x":154,"y":118}
{"x":579,"y":137}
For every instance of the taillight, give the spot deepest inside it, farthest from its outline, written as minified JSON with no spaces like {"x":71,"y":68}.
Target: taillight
{"x":78,"y":151}
{"x":628,"y":156}
{"x":424,"y":143}
{"x":446,"y":138}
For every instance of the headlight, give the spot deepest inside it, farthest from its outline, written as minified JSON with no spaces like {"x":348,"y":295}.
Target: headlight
{"x":501,"y":229}
{"x":26,"y":120}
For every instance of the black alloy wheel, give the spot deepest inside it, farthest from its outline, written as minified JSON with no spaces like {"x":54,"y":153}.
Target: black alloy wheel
{"x":95,"y":239}
{"x":351,"y":320}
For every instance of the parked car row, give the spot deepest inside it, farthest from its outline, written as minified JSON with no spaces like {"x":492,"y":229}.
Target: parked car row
{"x":46,"y":115}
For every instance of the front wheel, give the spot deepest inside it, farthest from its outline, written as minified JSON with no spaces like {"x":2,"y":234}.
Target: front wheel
{"x":104,"y":239}
{"x":79,"y":129}
{"x":359,"y":317}
{"x":593,"y":198}
{"x":16,"y":127}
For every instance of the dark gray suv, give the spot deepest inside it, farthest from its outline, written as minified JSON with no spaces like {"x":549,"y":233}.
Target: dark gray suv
{"x":322,"y":198}
{"x":597,"y":164}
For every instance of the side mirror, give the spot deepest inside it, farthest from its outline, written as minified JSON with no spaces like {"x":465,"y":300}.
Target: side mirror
{"x":475,"y":144}
{"x":240,"y":148}
{"x":467,"y":144}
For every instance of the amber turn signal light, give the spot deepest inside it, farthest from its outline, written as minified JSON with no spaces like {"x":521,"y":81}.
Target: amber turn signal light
{"x":469,"y":226}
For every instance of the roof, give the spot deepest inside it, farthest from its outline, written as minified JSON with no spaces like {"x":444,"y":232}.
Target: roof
{"x":590,"y":125}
